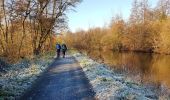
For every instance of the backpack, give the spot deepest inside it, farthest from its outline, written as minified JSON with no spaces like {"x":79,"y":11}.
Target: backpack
{"x":63,"y":47}
{"x":58,"y":46}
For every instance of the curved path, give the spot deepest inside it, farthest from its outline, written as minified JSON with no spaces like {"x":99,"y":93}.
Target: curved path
{"x":64,"y":80}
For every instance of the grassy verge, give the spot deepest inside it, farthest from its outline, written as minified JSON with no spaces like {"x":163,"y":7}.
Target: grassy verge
{"x":110,"y":85}
{"x":19,"y":77}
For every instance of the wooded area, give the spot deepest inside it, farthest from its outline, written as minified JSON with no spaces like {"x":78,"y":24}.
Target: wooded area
{"x":29,"y":26}
{"x":147,"y":30}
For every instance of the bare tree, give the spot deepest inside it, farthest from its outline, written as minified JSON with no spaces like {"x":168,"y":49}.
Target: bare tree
{"x":52,"y":16}
{"x":134,"y":17}
{"x":4,"y":28}
{"x":44,"y":17}
{"x":163,"y":9}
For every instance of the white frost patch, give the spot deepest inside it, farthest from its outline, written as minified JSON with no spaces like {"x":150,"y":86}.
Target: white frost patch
{"x":111,"y":86}
{"x":20,"y":77}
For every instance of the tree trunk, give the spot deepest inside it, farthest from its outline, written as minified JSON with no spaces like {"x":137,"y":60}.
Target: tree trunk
{"x":36,"y":51}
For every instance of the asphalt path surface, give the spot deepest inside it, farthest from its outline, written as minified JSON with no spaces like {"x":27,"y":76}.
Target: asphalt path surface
{"x":63,"y":80}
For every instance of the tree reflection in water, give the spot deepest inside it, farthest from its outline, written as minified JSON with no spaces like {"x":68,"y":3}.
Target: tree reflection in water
{"x":145,"y":68}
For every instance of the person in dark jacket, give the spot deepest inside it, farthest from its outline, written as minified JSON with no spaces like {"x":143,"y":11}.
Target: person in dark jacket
{"x":58,"y":48}
{"x":64,"y":49}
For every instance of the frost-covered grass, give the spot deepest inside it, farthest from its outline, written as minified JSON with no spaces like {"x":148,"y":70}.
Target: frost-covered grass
{"x":19,"y":77}
{"x":109,"y":85}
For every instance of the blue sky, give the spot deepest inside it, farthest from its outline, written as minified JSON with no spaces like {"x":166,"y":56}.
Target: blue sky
{"x":98,"y":13}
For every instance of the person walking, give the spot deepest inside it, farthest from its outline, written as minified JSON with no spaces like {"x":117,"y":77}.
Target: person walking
{"x":64,"y":49}
{"x":58,"y":48}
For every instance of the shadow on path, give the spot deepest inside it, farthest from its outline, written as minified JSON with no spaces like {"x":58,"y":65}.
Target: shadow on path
{"x":64,"y":80}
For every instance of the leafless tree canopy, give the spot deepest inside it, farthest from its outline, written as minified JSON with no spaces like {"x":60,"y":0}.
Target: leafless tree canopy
{"x":30,"y":23}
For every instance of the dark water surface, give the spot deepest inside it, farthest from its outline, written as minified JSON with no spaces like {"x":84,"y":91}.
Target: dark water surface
{"x":143,"y":67}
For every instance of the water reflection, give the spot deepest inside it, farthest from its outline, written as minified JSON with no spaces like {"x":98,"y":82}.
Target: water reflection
{"x":142,"y":67}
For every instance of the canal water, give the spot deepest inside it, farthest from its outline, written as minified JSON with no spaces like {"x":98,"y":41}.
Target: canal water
{"x":144,"y":68}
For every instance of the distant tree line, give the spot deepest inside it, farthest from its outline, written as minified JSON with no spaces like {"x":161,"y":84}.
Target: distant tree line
{"x":147,"y":30}
{"x":27,"y":26}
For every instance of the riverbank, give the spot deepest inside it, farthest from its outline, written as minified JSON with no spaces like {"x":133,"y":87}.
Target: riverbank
{"x":115,"y":86}
{"x":18,"y":78}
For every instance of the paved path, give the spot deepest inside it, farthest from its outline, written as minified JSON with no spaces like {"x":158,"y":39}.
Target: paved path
{"x":64,"y":80}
